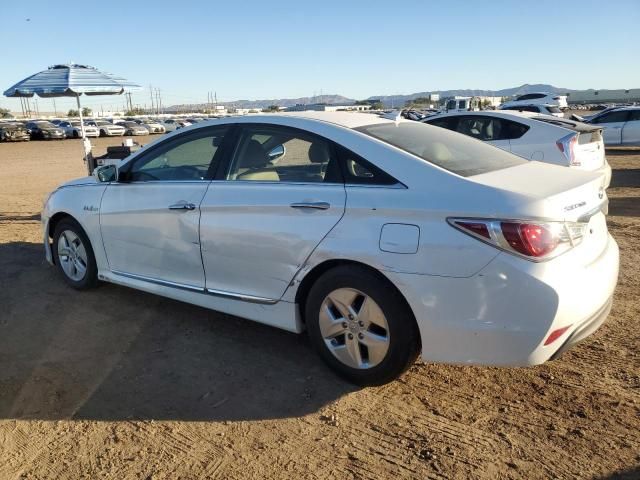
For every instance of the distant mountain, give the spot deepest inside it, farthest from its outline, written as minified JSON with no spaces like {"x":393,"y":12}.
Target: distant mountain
{"x":389,"y":101}
{"x":282,"y":102}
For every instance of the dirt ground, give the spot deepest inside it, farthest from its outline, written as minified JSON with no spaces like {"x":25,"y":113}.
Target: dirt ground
{"x":116,"y":383}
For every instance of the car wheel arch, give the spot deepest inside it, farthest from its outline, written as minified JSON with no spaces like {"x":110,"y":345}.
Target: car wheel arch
{"x":320,"y":269}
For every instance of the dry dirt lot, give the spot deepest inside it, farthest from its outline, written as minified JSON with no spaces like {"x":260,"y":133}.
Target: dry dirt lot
{"x":116,"y":383}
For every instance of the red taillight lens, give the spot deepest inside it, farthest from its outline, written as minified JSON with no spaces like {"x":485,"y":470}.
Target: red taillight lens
{"x":479,"y":228}
{"x":535,"y":241}
{"x":567,"y":146}
{"x":529,"y":239}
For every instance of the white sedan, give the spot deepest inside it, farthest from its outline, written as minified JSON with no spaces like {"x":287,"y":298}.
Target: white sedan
{"x":382,"y":238}
{"x":621,"y":126}
{"x":153,"y":126}
{"x":173,"y":124}
{"x":107,"y":129}
{"x":73,"y":129}
{"x":535,"y":137}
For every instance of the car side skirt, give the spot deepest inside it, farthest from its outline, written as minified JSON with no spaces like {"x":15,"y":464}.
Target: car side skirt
{"x":280,"y":314}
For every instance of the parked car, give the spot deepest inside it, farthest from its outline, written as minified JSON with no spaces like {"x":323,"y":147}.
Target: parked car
{"x":44,"y":130}
{"x":172,"y":124}
{"x":621,"y":125}
{"x":543,"y":109}
{"x":382,"y":238}
{"x":133,"y":128}
{"x":73,"y":129}
{"x":152,"y":126}
{"x":107,"y":129}
{"x":534,"y":137}
{"x":57,"y":122}
{"x":13,"y":132}
{"x":535,"y":98}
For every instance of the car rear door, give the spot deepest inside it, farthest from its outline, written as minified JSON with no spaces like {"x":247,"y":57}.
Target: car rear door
{"x":612,"y":124}
{"x":280,"y":195}
{"x":631,"y":129}
{"x":150,"y":218}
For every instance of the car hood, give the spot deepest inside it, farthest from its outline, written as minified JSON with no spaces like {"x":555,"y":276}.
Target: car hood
{"x":90,"y":180}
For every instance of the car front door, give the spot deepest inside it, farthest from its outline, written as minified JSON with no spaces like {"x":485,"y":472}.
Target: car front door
{"x":281,"y":194}
{"x":612,"y":124}
{"x":631,"y":130}
{"x":150,"y":218}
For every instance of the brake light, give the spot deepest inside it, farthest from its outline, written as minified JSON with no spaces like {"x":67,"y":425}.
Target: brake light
{"x":532,"y":240}
{"x":529,"y":239}
{"x":567,"y":145}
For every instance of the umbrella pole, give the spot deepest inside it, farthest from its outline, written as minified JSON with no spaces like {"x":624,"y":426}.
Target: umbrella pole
{"x":86,"y":144}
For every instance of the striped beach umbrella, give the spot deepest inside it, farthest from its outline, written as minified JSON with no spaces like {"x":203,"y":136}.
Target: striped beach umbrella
{"x":70,"y":80}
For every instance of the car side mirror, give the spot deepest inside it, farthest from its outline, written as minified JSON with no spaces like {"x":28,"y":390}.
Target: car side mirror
{"x":276,"y":152}
{"x":106,"y":173}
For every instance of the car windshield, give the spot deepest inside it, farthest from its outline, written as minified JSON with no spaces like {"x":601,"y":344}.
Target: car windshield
{"x":553,"y":109}
{"x":103,"y":123}
{"x":452,"y":151}
{"x":45,"y":125}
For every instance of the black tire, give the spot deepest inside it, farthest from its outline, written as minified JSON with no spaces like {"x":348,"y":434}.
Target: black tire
{"x":404,"y":337}
{"x":75,"y":134}
{"x":90,"y":278}
{"x":103,"y":133}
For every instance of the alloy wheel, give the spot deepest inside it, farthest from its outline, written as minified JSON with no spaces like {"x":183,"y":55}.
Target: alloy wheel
{"x":72,"y":255}
{"x":354,"y":328}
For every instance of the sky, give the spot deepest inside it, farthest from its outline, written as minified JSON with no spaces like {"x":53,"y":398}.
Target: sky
{"x":289,"y":49}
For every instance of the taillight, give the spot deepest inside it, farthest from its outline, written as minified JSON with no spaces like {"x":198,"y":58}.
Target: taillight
{"x":567,"y":145}
{"x":532,"y":240}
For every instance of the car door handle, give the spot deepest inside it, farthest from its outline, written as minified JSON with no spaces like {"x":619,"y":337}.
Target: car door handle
{"x":313,"y":205}
{"x":182,"y":206}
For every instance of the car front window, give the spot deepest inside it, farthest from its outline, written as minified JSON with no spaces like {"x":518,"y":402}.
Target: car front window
{"x":188,"y":157}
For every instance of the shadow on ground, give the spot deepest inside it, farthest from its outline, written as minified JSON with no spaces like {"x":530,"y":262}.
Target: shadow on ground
{"x":625,"y":178}
{"x":631,"y":474}
{"x":115,"y":353}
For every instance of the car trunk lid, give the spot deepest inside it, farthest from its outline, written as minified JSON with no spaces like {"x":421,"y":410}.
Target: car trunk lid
{"x":554,"y":193}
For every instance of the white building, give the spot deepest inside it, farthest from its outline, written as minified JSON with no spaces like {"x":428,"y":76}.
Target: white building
{"x":604,"y":96}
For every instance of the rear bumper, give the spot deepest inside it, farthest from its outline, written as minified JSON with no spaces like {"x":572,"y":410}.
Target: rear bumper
{"x":503,"y":315}
{"x":585,"y":329}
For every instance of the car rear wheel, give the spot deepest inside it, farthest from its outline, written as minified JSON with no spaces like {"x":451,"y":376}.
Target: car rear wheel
{"x":74,"y":256}
{"x":361,"y":326}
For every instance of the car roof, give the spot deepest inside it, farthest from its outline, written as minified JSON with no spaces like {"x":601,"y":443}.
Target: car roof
{"x":344,"y":119}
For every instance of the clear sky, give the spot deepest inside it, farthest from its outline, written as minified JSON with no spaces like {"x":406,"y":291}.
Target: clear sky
{"x":357,"y":48}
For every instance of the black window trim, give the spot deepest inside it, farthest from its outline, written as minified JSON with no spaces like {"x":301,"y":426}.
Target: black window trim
{"x":124,"y":173}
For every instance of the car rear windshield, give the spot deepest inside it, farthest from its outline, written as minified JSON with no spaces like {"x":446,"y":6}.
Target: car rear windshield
{"x":452,"y":151}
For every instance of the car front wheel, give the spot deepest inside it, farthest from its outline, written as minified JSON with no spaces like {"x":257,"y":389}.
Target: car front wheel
{"x":74,"y":256}
{"x":361,"y":326}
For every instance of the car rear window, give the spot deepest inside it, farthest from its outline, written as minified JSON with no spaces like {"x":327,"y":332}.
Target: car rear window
{"x":452,"y":151}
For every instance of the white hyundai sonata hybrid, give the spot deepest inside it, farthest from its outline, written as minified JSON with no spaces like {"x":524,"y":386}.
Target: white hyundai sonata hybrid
{"x":384,"y":239}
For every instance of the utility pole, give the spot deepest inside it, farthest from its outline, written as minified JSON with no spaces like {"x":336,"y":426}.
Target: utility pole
{"x":55,"y":110}
{"x":151,"y":92}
